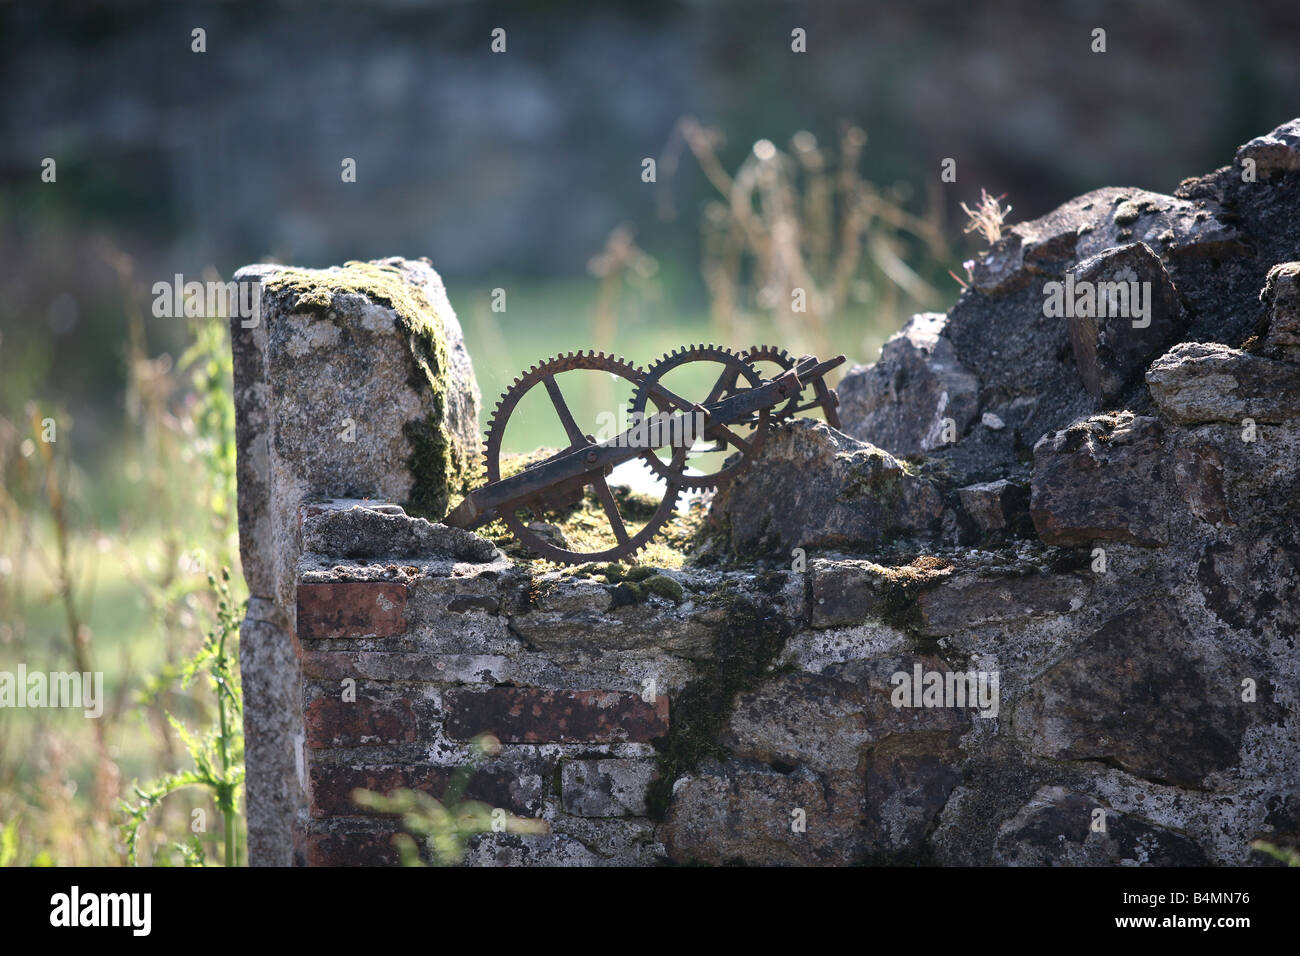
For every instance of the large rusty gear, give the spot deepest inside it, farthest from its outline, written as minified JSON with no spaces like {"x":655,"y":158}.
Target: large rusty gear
{"x":572,"y":491}
{"x":735,"y":367}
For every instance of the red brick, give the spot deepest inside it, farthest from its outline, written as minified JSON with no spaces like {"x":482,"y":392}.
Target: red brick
{"x":331,"y":785}
{"x":351,"y":609}
{"x":530,"y":715}
{"x":332,"y":722}
{"x":345,"y":848}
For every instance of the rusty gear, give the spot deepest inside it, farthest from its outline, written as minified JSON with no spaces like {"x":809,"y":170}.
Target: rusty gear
{"x":825,"y":398}
{"x":572,"y":490}
{"x":739,"y":399}
{"x":784,"y":361}
{"x":734,"y":368}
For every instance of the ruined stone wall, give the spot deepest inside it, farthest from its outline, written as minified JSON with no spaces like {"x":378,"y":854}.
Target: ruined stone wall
{"x":337,"y":391}
{"x":1091,"y":521}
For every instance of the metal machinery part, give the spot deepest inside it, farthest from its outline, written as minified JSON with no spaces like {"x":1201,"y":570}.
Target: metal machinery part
{"x":736,"y":413}
{"x":724,"y":434}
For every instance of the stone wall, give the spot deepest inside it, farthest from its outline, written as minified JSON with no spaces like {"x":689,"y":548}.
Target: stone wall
{"x":1060,"y":630}
{"x":335,"y":393}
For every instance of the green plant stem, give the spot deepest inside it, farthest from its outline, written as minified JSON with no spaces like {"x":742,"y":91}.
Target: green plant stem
{"x":225,"y":797}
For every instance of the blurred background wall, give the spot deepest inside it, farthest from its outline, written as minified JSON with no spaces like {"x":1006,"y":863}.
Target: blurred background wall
{"x":511,"y":171}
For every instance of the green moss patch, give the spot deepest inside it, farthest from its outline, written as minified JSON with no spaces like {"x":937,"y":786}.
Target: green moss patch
{"x":902,"y":585}
{"x":748,"y":642}
{"x":586,"y":528}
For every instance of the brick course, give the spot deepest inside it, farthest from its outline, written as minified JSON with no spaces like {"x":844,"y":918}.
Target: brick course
{"x":531,"y":715}
{"x":350,"y":609}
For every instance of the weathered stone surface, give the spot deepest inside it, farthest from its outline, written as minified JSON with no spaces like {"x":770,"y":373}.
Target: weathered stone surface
{"x":1281,"y":296}
{"x":909,"y":781}
{"x":1062,"y":828}
{"x":367,"y":533}
{"x":745,"y":816}
{"x":811,"y":486}
{"x":357,"y":345}
{"x":619,"y":841}
{"x":900,"y":403}
{"x":817,"y":721}
{"x":994,"y":505}
{"x":1251,"y":583}
{"x":974,"y":599}
{"x":272,"y":686}
{"x":1142,"y":315}
{"x":513,"y":849}
{"x":1024,"y":361}
{"x":816,"y":650}
{"x":845,"y":592}
{"x":586,"y":615}
{"x":353,"y":382}
{"x":1275,"y":152}
{"x":530,"y":715}
{"x":825,"y":721}
{"x":1205,"y":382}
{"x":849,"y":591}
{"x":606,"y":788}
{"x":1102,"y":479}
{"x":1146,"y":695}
{"x":1092,"y":223}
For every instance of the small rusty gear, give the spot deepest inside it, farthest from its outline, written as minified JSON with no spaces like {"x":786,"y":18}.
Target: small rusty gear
{"x":824,"y":398}
{"x":572,"y":491}
{"x":735,"y":367}
{"x":784,"y":361}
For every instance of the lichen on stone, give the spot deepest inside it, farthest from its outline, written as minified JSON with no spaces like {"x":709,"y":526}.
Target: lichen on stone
{"x":439,"y":466}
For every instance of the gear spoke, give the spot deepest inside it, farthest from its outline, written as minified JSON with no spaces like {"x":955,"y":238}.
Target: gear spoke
{"x":720,"y":387}
{"x":576,"y":437}
{"x":735,"y":439}
{"x":626,"y":541}
{"x":672,"y":397}
{"x":611,"y":509}
{"x":737,"y":375}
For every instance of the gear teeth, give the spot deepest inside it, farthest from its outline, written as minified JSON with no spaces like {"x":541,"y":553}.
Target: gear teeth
{"x":641,"y":403}
{"x":526,"y":380}
{"x":780,"y":357}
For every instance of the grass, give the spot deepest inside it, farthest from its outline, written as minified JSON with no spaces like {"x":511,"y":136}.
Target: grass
{"x":48,"y":756}
{"x":126,"y":595}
